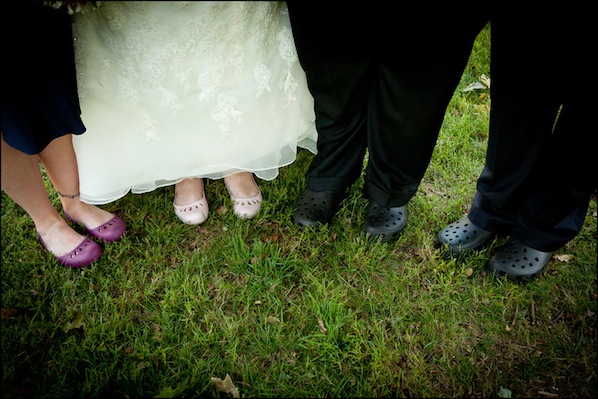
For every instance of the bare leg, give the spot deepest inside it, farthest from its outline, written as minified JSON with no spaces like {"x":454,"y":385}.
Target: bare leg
{"x":188,"y":191}
{"x":190,"y":204}
{"x":241,"y":185}
{"x":60,"y":161}
{"x":22,"y":182}
{"x":245,"y":194}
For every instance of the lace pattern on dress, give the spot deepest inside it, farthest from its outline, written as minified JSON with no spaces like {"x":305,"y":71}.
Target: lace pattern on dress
{"x":182,"y":56}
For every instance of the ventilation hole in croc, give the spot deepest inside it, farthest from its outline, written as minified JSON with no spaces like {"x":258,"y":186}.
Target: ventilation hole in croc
{"x":537,"y":259}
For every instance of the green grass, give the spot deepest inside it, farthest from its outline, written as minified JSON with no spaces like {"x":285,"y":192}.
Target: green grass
{"x":291,"y":313}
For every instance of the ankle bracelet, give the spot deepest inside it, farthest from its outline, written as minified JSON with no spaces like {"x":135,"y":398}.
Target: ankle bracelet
{"x":71,"y":196}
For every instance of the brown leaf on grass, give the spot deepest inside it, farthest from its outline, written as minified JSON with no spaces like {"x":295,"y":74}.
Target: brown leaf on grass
{"x":563,"y":258}
{"x":272,"y":237}
{"x":222,"y":209}
{"x":226,"y":386}
{"x":323,"y":328}
{"x":272,"y":320}
{"x":7,"y":313}
{"x":76,"y":323}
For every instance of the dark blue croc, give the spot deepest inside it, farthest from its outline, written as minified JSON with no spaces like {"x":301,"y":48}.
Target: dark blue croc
{"x":315,"y":208}
{"x":518,"y":262}
{"x":462,"y":236}
{"x":384,"y":222}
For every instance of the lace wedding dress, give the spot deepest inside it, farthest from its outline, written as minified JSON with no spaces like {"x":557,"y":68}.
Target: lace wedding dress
{"x":171,"y":90}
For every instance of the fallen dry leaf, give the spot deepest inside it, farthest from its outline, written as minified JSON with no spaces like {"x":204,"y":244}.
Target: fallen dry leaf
{"x":226,"y":386}
{"x":272,"y":320}
{"x":563,"y":258}
{"x":322,"y":327}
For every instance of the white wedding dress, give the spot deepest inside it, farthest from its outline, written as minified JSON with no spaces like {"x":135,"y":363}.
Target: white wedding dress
{"x":172,"y":89}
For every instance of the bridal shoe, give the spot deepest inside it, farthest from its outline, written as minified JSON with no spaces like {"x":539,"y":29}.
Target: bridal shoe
{"x":194,"y":213}
{"x":87,"y":252}
{"x":111,"y":231}
{"x":247,"y":208}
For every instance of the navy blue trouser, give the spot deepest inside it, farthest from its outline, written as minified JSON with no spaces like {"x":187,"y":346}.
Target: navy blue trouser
{"x":381,"y":82}
{"x":540,"y":169}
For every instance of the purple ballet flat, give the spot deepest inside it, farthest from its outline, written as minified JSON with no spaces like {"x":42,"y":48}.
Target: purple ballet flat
{"x":87,"y":252}
{"x":111,"y":231}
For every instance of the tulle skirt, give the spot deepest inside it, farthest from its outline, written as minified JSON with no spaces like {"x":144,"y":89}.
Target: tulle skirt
{"x":171,"y":90}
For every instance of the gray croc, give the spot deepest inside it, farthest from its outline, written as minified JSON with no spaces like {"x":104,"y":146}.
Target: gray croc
{"x":518,"y":262}
{"x":315,"y":208}
{"x":462,"y":236}
{"x":385,"y":223}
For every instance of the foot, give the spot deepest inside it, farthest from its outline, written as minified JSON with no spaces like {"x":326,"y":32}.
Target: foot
{"x":315,"y":208}
{"x":518,"y":262}
{"x":87,"y":215}
{"x":59,"y":238}
{"x":244,"y":193}
{"x":384,"y":223}
{"x":98,"y":223}
{"x":68,"y":247}
{"x":462,"y":236}
{"x":190,"y":203}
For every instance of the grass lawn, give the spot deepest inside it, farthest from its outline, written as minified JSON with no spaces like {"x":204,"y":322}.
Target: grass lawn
{"x":173,"y":309}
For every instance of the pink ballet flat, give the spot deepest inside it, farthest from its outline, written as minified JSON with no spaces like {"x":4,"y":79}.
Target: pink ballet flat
{"x":194,"y":213}
{"x":87,"y":252}
{"x":111,"y":231}
{"x":247,"y":208}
